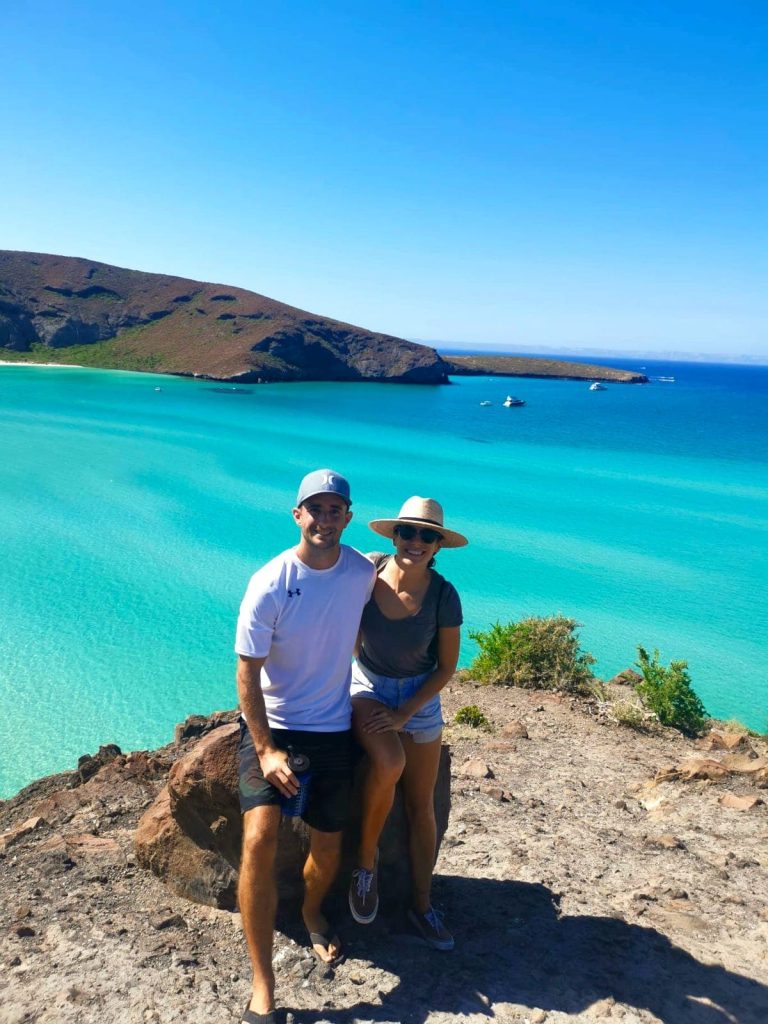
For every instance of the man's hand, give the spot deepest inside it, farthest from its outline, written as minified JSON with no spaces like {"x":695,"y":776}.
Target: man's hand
{"x":274,"y":766}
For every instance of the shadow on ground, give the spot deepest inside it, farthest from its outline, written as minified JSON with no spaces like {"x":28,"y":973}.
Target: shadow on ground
{"x":513,"y":946}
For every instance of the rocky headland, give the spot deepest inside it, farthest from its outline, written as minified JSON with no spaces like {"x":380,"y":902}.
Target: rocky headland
{"x":589,"y":872}
{"x":528,"y":366}
{"x":69,"y":310}
{"x":64,"y":309}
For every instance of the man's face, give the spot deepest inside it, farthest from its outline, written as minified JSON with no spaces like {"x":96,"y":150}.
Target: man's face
{"x":321,"y":519}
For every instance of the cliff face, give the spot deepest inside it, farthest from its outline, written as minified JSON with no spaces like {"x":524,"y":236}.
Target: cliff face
{"x":133,"y":320}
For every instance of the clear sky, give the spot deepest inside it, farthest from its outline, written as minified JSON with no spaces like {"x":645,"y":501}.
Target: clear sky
{"x":576,"y":174}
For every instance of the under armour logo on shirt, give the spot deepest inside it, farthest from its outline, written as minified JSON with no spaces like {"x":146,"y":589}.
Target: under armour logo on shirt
{"x":297,"y":592}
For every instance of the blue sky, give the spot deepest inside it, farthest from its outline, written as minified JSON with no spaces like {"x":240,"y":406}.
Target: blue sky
{"x":523,"y":174}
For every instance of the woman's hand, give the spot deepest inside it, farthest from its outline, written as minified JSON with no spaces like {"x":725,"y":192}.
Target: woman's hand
{"x":384,"y":719}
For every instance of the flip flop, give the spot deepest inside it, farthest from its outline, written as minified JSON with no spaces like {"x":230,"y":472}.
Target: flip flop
{"x":319,"y":939}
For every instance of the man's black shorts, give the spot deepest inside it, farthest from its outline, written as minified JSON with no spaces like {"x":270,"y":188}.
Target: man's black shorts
{"x":330,"y":758}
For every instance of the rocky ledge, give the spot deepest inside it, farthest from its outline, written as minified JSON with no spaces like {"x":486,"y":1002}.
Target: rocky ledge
{"x":588,"y":871}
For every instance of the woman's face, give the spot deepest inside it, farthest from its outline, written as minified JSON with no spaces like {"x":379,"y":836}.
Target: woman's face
{"x":416,"y":545}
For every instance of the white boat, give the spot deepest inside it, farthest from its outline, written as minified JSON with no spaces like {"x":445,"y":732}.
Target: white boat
{"x":510,"y":401}
{"x":597,"y":386}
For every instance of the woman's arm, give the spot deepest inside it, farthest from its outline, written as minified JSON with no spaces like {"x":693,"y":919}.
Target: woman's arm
{"x":384,"y":719}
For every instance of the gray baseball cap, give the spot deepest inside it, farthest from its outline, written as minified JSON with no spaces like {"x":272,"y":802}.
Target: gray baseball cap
{"x":323,"y":481}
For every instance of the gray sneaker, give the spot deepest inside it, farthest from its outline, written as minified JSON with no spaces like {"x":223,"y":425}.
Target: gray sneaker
{"x":431,"y":928}
{"x":364,"y":895}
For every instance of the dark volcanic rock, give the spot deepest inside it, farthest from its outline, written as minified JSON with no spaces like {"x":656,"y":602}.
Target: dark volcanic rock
{"x":147,"y":322}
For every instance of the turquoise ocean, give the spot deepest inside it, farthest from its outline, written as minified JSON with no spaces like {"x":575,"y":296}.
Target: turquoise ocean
{"x":135,"y":508}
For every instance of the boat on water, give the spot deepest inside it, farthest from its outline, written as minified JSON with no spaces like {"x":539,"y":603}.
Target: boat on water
{"x":597,"y":386}
{"x":510,"y":400}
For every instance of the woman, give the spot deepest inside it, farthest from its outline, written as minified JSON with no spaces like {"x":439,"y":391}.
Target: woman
{"x":408,"y":650}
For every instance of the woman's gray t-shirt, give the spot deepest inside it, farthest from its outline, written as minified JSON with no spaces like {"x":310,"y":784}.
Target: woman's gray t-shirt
{"x":401,"y":648}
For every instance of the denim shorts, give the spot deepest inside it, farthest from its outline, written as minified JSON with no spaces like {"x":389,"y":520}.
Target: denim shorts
{"x":423,"y":727}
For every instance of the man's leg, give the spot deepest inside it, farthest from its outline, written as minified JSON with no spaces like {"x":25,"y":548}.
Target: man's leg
{"x":320,"y":870}
{"x":257,"y":897}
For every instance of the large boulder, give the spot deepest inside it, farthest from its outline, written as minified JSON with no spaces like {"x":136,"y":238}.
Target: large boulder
{"x":191,"y":835}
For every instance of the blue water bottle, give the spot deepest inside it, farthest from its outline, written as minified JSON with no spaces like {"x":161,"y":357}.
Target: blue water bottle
{"x":294,"y":806}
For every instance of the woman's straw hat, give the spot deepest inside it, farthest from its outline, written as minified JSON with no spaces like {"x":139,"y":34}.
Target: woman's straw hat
{"x":420,"y":512}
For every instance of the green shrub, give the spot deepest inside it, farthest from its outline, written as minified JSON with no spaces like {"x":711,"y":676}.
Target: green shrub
{"x":669,"y":694}
{"x":535,"y":653}
{"x":472,"y":715}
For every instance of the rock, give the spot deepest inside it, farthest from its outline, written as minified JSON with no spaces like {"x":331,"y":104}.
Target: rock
{"x":626,"y":678}
{"x":665,"y":842}
{"x":84,"y":847}
{"x":89,"y":764}
{"x":744,"y":764}
{"x":515,"y":730}
{"x":191,"y":835}
{"x":199,"y":873}
{"x":715,"y":740}
{"x":739,"y":803}
{"x":603,"y":1007}
{"x":13,"y":835}
{"x":476,"y":769}
{"x":693,"y":768}
{"x":495,"y":792}
{"x":165,"y":919}
{"x":538,"y":1016}
{"x":198,"y":725}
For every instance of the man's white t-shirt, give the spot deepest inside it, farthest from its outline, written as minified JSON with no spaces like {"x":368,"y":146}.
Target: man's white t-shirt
{"x":305,"y":622}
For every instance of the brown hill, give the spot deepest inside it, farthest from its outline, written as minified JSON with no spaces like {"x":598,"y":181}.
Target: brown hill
{"x":99,"y":315}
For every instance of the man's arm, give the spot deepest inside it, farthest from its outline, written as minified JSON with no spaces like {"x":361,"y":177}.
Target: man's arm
{"x":273,"y":761}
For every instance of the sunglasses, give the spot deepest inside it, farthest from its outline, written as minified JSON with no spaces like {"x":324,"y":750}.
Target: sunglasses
{"x":409,"y":532}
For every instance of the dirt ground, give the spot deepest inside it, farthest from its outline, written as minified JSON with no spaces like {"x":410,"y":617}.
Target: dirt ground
{"x":577,"y":887}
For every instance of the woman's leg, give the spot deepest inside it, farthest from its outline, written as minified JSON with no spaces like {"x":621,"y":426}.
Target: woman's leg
{"x":422,"y":761}
{"x":386,"y":763}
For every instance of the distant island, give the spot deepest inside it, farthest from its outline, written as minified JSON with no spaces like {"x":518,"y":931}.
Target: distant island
{"x":65,"y":309}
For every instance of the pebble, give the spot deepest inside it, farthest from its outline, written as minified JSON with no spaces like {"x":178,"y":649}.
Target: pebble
{"x":167,"y":920}
{"x":476,"y":769}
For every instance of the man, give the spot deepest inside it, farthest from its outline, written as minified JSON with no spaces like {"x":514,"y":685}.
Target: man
{"x":295,"y":635}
